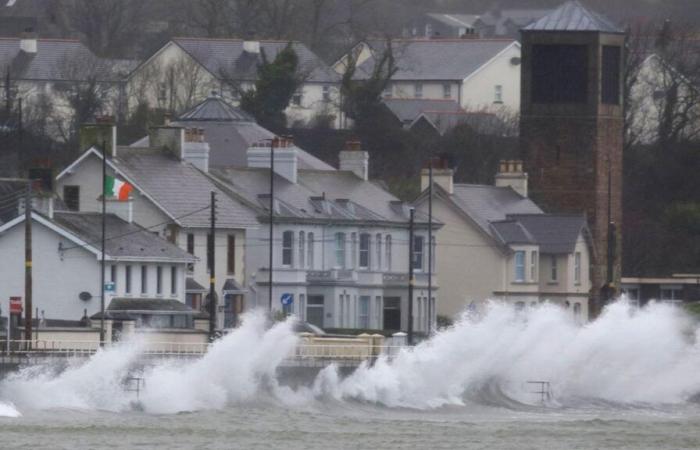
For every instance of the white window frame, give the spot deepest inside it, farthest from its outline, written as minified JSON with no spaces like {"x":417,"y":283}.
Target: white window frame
{"x":533,"y":265}
{"x":553,"y":269}
{"x":418,"y":249}
{"x":519,"y":266}
{"x":353,"y":250}
{"x":363,"y":317}
{"x":378,"y":250}
{"x":447,"y":90}
{"x":366,"y":252}
{"x":287,"y":248}
{"x":577,"y":268}
{"x":326,"y":93}
{"x":498,"y":93}
{"x":340,"y":250}
{"x":418,"y":90}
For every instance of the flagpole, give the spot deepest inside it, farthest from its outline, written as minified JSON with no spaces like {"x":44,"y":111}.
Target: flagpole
{"x":102,"y":261}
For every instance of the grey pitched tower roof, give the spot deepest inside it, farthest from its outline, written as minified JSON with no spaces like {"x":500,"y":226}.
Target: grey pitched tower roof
{"x":573,"y":16}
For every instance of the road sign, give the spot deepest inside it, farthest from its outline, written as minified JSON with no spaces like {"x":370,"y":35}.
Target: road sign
{"x":287,"y":299}
{"x":109,"y":287}
{"x":15,"y":305}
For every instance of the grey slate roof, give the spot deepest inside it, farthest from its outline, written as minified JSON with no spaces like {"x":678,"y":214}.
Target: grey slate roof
{"x":226,"y":56}
{"x":192,"y":286}
{"x":57,"y":59}
{"x":520,"y":17}
{"x":318,"y":195}
{"x":230,"y":132}
{"x":180,"y":188}
{"x":148,"y":304}
{"x":573,"y":16}
{"x":216,"y":109}
{"x":123,"y":239}
{"x":487,"y":204}
{"x":554,"y":233}
{"x":406,"y":110}
{"x":480,"y":122}
{"x":436,"y":59}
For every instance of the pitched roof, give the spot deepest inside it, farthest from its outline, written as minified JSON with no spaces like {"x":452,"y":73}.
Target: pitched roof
{"x":318,"y":195}
{"x":181,"y":189}
{"x":520,"y":17}
{"x":57,"y":59}
{"x":554,"y":233}
{"x":486,"y":204}
{"x":406,"y":110}
{"x":437,"y":59}
{"x":215,"y":109}
{"x":230,"y":131}
{"x":123,"y":239}
{"x":573,"y":16}
{"x":226,"y":56}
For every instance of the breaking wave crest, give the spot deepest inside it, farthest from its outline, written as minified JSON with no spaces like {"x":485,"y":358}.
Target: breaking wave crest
{"x":647,"y":356}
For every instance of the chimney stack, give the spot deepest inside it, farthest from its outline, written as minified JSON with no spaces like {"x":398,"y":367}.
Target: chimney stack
{"x":511,"y":174}
{"x":354,"y":159}
{"x":28,"y":41}
{"x":104,"y":130}
{"x":196,"y":149}
{"x":169,"y":137}
{"x":443,"y":176}
{"x":286,"y":161}
{"x":252,"y":47}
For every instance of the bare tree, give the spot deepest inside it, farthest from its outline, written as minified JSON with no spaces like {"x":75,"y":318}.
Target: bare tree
{"x":109,"y":26}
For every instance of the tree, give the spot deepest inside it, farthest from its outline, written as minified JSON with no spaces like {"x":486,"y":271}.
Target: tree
{"x":276,"y":83}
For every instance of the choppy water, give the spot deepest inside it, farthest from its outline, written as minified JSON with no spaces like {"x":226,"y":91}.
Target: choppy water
{"x":628,"y":381}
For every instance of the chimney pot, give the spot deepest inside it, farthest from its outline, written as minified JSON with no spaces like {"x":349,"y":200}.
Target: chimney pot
{"x":511,"y":175}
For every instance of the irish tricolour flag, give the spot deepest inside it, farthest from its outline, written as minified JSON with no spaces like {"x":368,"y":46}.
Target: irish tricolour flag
{"x":117,"y":188}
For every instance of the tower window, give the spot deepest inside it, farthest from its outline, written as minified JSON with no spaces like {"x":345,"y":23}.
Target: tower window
{"x":559,"y":73}
{"x":610,"y":81}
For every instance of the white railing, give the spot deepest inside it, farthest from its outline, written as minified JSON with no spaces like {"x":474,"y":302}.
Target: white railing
{"x":331,"y":351}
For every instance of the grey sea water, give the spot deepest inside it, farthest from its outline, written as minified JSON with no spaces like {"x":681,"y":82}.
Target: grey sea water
{"x":629,"y":380}
{"x":357,"y":426}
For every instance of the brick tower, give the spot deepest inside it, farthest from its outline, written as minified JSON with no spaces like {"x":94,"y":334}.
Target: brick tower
{"x":571,"y":129}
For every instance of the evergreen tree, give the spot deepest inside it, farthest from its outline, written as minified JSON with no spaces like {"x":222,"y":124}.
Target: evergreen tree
{"x":276,"y":84}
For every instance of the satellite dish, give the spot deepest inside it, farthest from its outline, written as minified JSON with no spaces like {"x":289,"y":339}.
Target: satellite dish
{"x":85,"y":296}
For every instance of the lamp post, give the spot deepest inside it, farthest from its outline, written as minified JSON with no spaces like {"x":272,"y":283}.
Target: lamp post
{"x":411,"y":277}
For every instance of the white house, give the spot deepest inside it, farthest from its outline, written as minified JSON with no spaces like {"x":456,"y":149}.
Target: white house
{"x":42,"y":71}
{"x":171,"y":197}
{"x":186,"y":70}
{"x":340,"y":243}
{"x":66,"y":257}
{"x":479,"y":74}
{"x":496,"y":244}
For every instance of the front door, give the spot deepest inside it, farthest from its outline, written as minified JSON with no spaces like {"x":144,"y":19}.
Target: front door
{"x":315,"y":310}
{"x":392,"y":313}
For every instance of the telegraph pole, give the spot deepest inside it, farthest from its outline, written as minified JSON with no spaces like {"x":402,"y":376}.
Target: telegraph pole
{"x":272,"y":215}
{"x":27,"y":253}
{"x":212,"y":269}
{"x":430,"y":246}
{"x":411,"y":278}
{"x":28,"y":262}
{"x":102,"y":256}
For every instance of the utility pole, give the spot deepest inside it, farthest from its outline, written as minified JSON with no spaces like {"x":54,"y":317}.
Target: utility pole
{"x":102,"y":252}
{"x":212,"y":269}
{"x":430,"y":246}
{"x":272,"y":215}
{"x":27,"y":253}
{"x":28,"y":262}
{"x":411,"y":278}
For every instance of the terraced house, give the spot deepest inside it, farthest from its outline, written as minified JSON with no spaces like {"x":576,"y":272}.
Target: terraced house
{"x":341,"y":242}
